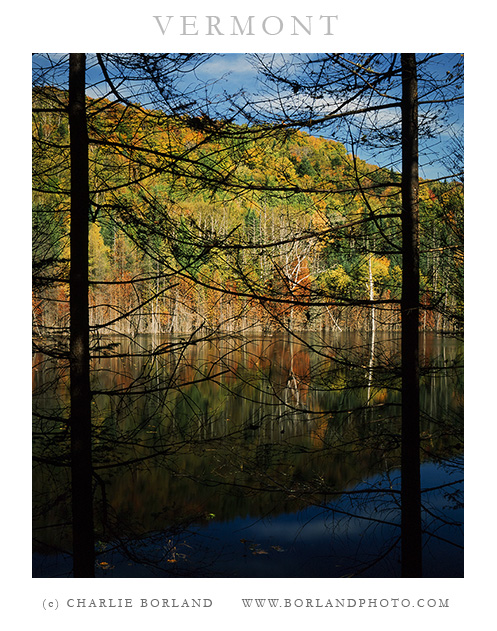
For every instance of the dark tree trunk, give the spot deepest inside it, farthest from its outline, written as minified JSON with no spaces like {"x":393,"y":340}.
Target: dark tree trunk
{"x":410,"y":459}
{"x":81,"y":460}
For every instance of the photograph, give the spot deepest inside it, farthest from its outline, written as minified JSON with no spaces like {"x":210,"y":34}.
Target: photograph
{"x":248,"y":315}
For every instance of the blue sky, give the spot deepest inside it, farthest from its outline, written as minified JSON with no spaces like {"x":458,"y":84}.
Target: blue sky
{"x":233,"y":72}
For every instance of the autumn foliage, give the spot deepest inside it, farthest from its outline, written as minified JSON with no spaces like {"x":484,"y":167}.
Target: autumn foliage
{"x":197,"y":224}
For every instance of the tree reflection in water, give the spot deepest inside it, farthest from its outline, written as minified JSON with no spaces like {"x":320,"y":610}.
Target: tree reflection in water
{"x":266,"y":456}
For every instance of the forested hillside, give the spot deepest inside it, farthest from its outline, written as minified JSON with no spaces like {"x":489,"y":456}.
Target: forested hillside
{"x":203,"y":224}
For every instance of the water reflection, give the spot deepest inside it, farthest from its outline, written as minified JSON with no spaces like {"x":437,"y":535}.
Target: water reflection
{"x":265,"y":456}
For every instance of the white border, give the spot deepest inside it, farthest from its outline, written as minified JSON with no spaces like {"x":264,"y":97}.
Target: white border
{"x":426,"y":26}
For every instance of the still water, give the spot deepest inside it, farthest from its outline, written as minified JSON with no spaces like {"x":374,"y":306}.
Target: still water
{"x":251,"y":457}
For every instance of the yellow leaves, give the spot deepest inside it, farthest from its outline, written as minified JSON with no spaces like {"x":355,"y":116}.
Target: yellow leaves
{"x":380,"y":267}
{"x":98,"y":253}
{"x":336,"y":279}
{"x":321,"y":224}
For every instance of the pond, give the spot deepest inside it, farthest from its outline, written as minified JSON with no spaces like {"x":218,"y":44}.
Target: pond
{"x":257,"y":456}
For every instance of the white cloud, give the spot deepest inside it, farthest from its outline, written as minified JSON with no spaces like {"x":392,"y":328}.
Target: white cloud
{"x":235,"y":65}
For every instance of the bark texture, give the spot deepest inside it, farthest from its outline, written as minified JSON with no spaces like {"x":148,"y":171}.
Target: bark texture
{"x":410,"y":458}
{"x":81,"y":450}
